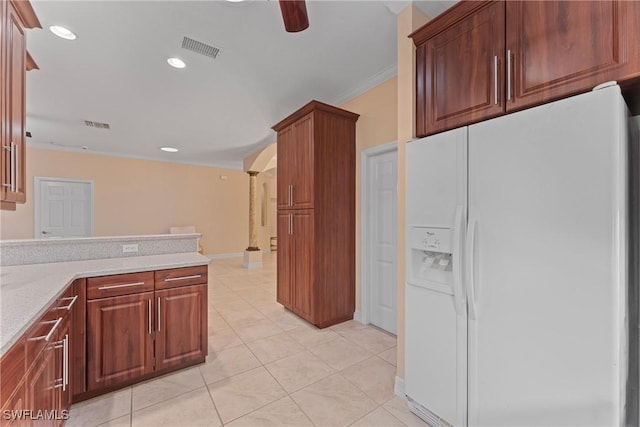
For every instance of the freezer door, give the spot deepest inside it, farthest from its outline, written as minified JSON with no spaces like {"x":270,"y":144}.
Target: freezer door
{"x":547,"y":260}
{"x":435,"y":322}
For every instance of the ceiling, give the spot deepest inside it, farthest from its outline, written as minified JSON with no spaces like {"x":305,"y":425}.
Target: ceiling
{"x":215,"y":111}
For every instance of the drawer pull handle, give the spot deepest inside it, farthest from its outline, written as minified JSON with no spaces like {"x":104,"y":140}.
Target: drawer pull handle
{"x":68,"y":307}
{"x":103,"y":288}
{"x":159,"y":314}
{"x":173,"y":279}
{"x":149,"y":307}
{"x":50,"y":334}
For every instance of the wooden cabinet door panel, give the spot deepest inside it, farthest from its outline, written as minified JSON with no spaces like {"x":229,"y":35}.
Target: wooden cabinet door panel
{"x":562,"y":47}
{"x":181,"y":326}
{"x":40,"y":394}
{"x":16,"y":73}
{"x":286,"y":163}
{"x":302,"y":171}
{"x":303,"y":277}
{"x":14,"y":404}
{"x":285,"y":260}
{"x":464,"y":70}
{"x":119,"y":339}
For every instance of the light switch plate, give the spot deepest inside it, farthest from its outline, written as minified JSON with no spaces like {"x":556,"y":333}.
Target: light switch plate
{"x":130,"y":248}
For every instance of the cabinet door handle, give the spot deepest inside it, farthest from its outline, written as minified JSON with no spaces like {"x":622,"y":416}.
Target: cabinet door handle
{"x":65,"y":362}
{"x":50,"y":334}
{"x":290,"y":195}
{"x":173,"y":279}
{"x":509,"y":75}
{"x":68,"y":307}
{"x":159,"y":315}
{"x":290,"y":224}
{"x":149,"y":306}
{"x":9,"y":148}
{"x":495,"y":79}
{"x":15,"y":166}
{"x":293,"y":200}
{"x":102,"y":288}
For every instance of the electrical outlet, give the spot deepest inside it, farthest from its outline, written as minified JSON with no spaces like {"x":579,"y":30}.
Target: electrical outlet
{"x":130,"y":248}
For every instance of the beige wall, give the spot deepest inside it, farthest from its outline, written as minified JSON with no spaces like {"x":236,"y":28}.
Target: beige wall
{"x":134,"y":197}
{"x":377,"y":125}
{"x":267,"y":200}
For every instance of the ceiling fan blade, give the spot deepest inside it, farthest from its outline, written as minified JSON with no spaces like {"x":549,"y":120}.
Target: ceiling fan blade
{"x":294,"y":15}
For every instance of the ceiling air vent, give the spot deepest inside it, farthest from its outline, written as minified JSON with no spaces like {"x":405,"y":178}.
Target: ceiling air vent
{"x":201,"y":48}
{"x":97,"y":125}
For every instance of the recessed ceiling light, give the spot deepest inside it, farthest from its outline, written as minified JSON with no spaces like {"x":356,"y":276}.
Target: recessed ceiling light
{"x":235,"y":1}
{"x":176,"y":63}
{"x":169,"y":149}
{"x":62,"y":32}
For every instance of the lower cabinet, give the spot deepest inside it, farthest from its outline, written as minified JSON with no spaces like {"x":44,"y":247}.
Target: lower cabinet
{"x":296,"y":262}
{"x":40,"y":385}
{"x":119,"y":339}
{"x":159,"y":324}
{"x":181,"y":335}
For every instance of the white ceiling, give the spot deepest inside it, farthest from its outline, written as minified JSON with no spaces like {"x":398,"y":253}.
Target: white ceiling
{"x":216,"y":111}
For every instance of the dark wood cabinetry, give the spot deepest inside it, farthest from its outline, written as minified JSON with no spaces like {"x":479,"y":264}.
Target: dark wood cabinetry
{"x":316,"y":213}
{"x":483,"y":59}
{"x":16,"y":17}
{"x":36,"y":371}
{"x":181,"y":334}
{"x":119,"y":339}
{"x":140,"y":324}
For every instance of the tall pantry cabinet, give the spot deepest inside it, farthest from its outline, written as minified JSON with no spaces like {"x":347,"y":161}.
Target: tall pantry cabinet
{"x":316,"y":213}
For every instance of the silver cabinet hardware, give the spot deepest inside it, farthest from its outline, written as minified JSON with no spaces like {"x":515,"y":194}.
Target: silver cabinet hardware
{"x":495,"y":79}
{"x":290,"y":224}
{"x":64,"y":381}
{"x":102,"y":288}
{"x":159,"y":315}
{"x":149,"y":306}
{"x":509,"y":75}
{"x":68,"y":307}
{"x":50,"y":334}
{"x":15,"y":166}
{"x":173,"y":279}
{"x":290,"y":195}
{"x":65,"y":366}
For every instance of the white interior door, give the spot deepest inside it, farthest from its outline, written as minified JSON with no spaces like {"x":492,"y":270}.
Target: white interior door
{"x":382,"y":238}
{"x":63,"y":208}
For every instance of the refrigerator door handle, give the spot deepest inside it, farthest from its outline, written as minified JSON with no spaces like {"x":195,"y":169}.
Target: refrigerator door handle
{"x":458,"y":233}
{"x":470,"y":282}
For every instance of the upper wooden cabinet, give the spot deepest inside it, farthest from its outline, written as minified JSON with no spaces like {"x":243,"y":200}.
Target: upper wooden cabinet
{"x":482,"y":59}
{"x":295,"y":157}
{"x":16,"y":17}
{"x":459,"y":71}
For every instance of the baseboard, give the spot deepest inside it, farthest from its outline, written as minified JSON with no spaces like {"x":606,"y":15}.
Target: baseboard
{"x":233,"y":254}
{"x":398,"y":388}
{"x":227,"y":255}
{"x":357,"y":315}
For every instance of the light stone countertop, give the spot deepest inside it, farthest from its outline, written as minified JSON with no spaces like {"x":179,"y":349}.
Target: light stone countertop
{"x":26,"y":291}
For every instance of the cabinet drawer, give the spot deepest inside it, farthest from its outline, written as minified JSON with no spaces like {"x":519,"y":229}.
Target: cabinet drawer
{"x":178,"y":277}
{"x":42,"y":334}
{"x":119,"y":284}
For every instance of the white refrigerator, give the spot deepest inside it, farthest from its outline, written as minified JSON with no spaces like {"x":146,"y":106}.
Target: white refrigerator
{"x":517,"y":269}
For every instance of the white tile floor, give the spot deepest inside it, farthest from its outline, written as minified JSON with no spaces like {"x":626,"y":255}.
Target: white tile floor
{"x":266,"y":367}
